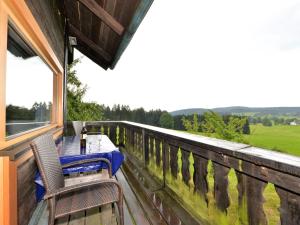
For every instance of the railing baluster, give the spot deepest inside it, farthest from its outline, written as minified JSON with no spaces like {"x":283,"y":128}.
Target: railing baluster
{"x":174,"y":160}
{"x":113,"y":134}
{"x":157,"y":151}
{"x":131,"y":140}
{"x":289,"y":207}
{"x":200,"y":176}
{"x":146,"y":148}
{"x":151,"y":148}
{"x":253,"y":189}
{"x":185,"y":170}
{"x":255,"y":201}
{"x":121,"y":135}
{"x":106,"y":128}
{"x":221,"y":186}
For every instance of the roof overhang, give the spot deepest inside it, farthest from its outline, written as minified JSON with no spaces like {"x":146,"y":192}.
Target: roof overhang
{"x":104,"y":28}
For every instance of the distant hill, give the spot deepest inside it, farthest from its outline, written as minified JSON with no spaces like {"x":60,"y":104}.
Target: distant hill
{"x":240,"y":110}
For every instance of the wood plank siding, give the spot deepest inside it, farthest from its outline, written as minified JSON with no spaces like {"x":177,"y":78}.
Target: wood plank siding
{"x":51,"y":22}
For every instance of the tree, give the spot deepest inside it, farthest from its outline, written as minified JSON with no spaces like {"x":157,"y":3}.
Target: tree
{"x":187,"y":124}
{"x":214,"y":123}
{"x":166,"y":120}
{"x":195,"y":123}
{"x":76,"y":107}
{"x":267,"y":122}
{"x":178,"y":125}
{"x":246,"y":127}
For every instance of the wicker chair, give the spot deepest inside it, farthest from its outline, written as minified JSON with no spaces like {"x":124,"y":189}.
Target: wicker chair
{"x":65,"y":200}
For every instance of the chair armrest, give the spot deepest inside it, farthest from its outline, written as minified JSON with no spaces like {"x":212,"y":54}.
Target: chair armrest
{"x":78,"y":187}
{"x":90,"y":161}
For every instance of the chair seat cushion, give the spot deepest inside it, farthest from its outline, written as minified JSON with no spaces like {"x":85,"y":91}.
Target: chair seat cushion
{"x":87,"y":198}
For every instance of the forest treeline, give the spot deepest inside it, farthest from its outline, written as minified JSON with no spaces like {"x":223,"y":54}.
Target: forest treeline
{"x":40,"y":111}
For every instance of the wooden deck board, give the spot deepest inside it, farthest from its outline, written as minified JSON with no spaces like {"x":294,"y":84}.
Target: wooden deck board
{"x":63,"y":221}
{"x":77,"y":219}
{"x":106,"y":215}
{"x":133,"y":203}
{"x":92,"y":217}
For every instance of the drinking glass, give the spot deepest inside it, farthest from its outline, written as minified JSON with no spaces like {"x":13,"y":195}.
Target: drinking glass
{"x":90,"y":143}
{"x":99,"y":140}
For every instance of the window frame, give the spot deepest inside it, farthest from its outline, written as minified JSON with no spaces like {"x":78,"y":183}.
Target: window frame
{"x":18,"y":13}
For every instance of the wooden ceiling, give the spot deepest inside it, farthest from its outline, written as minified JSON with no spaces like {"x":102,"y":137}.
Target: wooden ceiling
{"x":102,"y":27}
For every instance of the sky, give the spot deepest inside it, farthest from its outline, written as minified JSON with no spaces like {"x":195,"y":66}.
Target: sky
{"x":206,"y":54}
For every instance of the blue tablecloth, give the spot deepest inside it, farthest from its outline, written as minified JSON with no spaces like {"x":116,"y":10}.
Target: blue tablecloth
{"x":115,"y":157}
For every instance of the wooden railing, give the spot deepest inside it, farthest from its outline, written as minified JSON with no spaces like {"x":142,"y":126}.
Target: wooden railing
{"x":220,"y":182}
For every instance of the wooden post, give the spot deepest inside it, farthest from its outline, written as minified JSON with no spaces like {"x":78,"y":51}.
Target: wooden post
{"x":2,"y":186}
{"x":8,"y":194}
{"x":3,"y":49}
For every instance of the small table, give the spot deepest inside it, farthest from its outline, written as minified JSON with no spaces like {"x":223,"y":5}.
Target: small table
{"x":71,"y":145}
{"x":70,"y":152}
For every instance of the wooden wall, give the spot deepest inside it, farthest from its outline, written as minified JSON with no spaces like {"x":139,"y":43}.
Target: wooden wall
{"x":51,"y":22}
{"x":26,"y":190}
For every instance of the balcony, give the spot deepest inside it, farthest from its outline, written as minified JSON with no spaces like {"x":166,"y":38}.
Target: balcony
{"x":171,"y":177}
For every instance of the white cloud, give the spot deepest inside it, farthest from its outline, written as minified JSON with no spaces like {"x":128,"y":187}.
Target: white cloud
{"x":206,"y":54}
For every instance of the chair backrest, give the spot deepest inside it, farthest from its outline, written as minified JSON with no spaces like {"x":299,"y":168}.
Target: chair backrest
{"x":77,"y":125}
{"x":47,"y":159}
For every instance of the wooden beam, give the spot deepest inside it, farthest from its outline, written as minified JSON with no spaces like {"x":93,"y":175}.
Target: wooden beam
{"x":103,"y":15}
{"x":90,"y":43}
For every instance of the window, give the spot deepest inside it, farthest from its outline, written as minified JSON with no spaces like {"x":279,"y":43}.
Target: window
{"x":29,"y":86}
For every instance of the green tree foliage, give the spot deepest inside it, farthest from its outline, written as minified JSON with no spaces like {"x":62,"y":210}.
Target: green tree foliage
{"x":246,"y":127}
{"x":38,"y":112}
{"x":178,"y":124}
{"x":187,"y":124}
{"x":166,"y":120}
{"x":76,"y":107}
{"x":191,"y":126}
{"x":140,"y":115}
{"x":267,"y":122}
{"x":195,"y":123}
{"x":232,"y":130}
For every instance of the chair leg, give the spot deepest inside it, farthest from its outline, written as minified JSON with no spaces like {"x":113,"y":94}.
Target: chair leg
{"x":121,"y":211}
{"x":51,"y":207}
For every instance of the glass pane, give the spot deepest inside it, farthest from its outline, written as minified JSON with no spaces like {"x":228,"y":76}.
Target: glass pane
{"x":29,"y":87}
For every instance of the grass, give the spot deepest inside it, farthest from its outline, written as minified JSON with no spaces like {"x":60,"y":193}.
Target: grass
{"x":282,"y":138}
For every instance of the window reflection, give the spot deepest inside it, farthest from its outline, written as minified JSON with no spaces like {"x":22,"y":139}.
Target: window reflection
{"x":29,"y":87}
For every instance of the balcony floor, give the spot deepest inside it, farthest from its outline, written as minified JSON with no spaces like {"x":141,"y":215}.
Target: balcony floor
{"x":106,"y":215}
{"x":145,"y":203}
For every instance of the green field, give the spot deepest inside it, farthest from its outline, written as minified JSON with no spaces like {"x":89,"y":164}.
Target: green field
{"x":282,"y":138}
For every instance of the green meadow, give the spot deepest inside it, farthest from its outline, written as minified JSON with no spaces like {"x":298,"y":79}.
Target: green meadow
{"x":281,"y":138}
